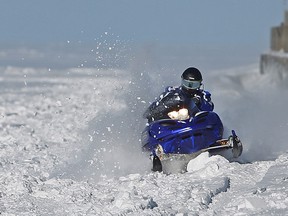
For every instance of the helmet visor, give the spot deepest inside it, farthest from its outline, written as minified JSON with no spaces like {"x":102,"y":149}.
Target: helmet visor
{"x":191,"y":84}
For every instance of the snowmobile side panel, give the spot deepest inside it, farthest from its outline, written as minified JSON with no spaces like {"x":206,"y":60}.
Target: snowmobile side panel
{"x":183,"y":137}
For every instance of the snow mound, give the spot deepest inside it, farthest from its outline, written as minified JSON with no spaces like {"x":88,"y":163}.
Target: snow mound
{"x":206,"y":165}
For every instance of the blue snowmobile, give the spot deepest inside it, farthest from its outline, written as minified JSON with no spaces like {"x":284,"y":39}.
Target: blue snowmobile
{"x":171,"y":140}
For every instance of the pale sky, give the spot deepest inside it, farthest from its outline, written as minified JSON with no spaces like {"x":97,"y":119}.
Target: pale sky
{"x":201,"y":23}
{"x":193,"y":21}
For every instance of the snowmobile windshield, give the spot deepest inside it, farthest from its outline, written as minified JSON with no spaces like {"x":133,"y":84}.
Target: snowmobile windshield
{"x":191,"y":84}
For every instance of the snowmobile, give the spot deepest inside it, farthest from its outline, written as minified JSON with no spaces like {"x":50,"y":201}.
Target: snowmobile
{"x":175,"y":142}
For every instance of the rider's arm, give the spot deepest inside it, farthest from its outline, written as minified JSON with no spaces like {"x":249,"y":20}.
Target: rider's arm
{"x":205,"y":103}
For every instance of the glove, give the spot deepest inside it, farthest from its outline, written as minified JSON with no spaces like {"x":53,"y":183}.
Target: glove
{"x":196,"y":99}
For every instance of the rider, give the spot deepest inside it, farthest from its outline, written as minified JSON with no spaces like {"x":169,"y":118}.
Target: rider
{"x":181,"y":102}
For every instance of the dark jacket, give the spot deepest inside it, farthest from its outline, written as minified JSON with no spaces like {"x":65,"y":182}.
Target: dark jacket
{"x":175,"y":98}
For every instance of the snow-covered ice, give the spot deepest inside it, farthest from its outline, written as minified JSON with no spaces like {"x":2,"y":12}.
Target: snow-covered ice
{"x":69,"y":145}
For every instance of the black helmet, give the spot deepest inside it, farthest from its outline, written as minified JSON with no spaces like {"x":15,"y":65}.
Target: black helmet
{"x":191,"y":78}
